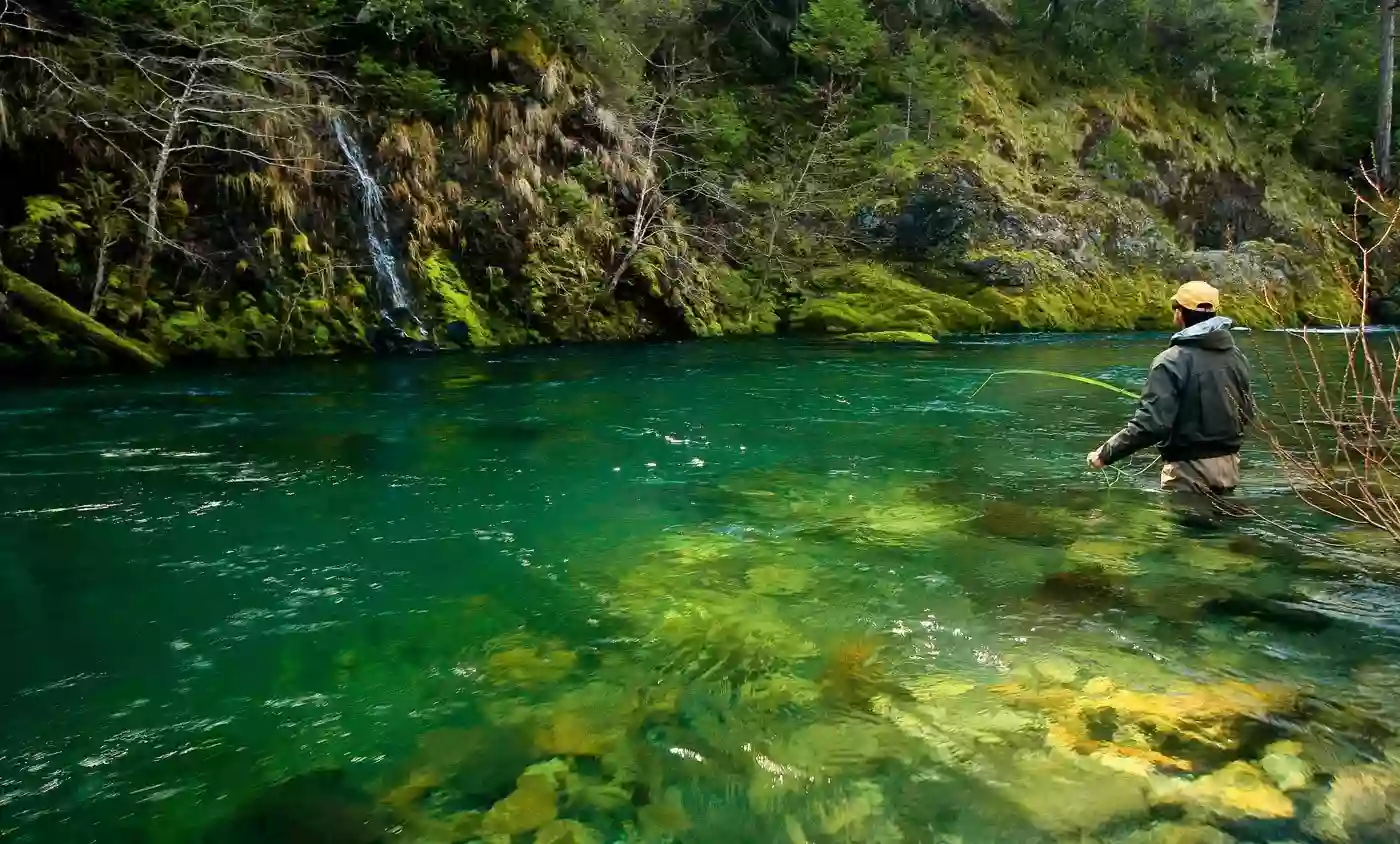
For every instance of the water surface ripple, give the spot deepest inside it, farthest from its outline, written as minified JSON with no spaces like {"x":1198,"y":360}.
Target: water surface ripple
{"x":750,"y":591}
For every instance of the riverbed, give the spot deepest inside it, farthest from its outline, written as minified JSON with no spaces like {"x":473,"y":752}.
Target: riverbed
{"x":743,"y":591}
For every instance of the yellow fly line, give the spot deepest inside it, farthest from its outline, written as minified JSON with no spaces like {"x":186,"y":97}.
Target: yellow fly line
{"x":1093,"y":382}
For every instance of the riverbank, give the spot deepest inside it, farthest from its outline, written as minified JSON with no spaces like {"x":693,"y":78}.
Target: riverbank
{"x":958,"y":177}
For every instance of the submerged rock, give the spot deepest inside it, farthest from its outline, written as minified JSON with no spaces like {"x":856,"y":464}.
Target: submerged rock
{"x":916,"y":337}
{"x":320,"y":807}
{"x":1183,"y":728}
{"x":480,"y":763}
{"x":403,"y":798}
{"x":1065,"y":794}
{"x":1363,"y":804}
{"x":1112,"y":556}
{"x":1239,"y":791}
{"x":857,"y":816}
{"x":534,"y":803}
{"x":1056,"y":669}
{"x":665,"y":817}
{"x":1284,"y":764}
{"x":567,"y":832}
{"x":1276,"y":611}
{"x":778,"y":580}
{"x":778,"y":691}
{"x":1024,"y":523}
{"x":1179,"y":833}
{"x":1084,"y":588}
{"x":519,"y":660}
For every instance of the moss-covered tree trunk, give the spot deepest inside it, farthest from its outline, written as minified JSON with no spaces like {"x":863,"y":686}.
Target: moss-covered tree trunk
{"x":51,"y":311}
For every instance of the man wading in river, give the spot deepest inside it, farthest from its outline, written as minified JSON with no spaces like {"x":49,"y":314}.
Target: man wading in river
{"x":1197,"y":402}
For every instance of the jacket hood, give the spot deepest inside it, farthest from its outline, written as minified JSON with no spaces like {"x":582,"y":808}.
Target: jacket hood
{"x":1212,"y":334}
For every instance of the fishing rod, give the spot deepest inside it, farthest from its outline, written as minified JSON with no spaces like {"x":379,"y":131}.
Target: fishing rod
{"x":1094,"y":382}
{"x":1080,"y":379}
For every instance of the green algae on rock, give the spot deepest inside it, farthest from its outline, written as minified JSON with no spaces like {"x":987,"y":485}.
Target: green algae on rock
{"x":532,"y":805}
{"x":871,"y":299}
{"x":914,"y":337}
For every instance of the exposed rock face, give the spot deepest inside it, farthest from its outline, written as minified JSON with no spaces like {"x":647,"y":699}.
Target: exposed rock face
{"x":999,"y":14}
{"x":1214,"y":210}
{"x":1251,"y":266}
{"x":1085,"y":212}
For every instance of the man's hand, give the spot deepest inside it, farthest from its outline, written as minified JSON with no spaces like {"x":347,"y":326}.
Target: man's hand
{"x":1095,"y":461}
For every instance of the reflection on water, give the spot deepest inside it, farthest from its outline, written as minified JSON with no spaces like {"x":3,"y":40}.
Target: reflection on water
{"x":734,"y":593}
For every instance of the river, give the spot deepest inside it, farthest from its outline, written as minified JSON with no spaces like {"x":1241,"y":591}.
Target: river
{"x":742,"y":591}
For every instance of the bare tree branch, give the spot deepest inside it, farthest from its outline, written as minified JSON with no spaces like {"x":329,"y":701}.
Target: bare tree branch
{"x":654,"y":131}
{"x":1340,"y":453}
{"x":226,"y":87}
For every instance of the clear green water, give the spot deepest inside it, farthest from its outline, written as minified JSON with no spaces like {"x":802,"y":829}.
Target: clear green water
{"x":745,"y":592}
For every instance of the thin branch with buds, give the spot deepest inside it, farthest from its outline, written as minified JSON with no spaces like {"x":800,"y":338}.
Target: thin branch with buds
{"x":666,"y":174}
{"x":1342,"y":453}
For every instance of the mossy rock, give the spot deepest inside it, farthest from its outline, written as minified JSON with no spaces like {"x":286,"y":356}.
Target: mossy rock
{"x":871,"y":299}
{"x":743,"y":304}
{"x":1264,"y":284}
{"x":454,"y":301}
{"x":1019,"y":267}
{"x":890,"y":337}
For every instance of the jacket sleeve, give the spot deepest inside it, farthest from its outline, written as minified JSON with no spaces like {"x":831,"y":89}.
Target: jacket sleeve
{"x":1156,"y":413}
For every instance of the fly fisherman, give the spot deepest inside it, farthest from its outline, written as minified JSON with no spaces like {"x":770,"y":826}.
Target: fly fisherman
{"x":1197,"y":402}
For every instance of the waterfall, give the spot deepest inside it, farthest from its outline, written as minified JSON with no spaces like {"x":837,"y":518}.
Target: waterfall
{"x":393,"y":292}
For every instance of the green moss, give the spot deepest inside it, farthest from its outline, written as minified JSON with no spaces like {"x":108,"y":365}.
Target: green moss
{"x":890,"y":337}
{"x":1055,"y":298}
{"x":869,"y":297}
{"x":454,"y":298}
{"x":743,"y":304}
{"x":57,"y":316}
{"x":1034,"y":266}
{"x":1117,"y":159}
{"x":1268,"y":284}
{"x":1023,"y":139}
{"x":196,"y":333}
{"x":28,"y":341}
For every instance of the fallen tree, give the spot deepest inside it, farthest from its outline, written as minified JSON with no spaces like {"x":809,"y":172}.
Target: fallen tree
{"x":46,"y":309}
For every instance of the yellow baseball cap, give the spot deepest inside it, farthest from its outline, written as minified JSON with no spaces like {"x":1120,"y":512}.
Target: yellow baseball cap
{"x":1197,"y":296}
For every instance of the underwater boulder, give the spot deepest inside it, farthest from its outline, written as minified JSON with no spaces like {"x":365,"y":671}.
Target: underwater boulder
{"x":1185,"y":727}
{"x":1072,"y":795}
{"x":1084,"y":588}
{"x":319,"y":807}
{"x":567,"y":832}
{"x":533,"y":804}
{"x":1362,"y":804}
{"x":1276,"y":611}
{"x":479,"y":763}
{"x":1024,"y":523}
{"x":1179,"y":833}
{"x":520,"y":660}
{"x":665,"y":817}
{"x":1235,"y":793}
{"x":1284,"y":763}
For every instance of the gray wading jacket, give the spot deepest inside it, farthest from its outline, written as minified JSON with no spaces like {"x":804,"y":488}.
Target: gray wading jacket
{"x":1197,"y":402}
